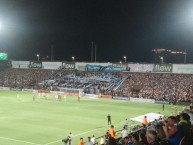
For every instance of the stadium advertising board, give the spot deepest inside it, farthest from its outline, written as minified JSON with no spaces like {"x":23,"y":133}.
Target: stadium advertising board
{"x":68,"y":65}
{"x":15,"y":89}
{"x":20,"y":64}
{"x":183,"y":68}
{"x":80,"y":66}
{"x":142,"y":100}
{"x":99,"y":68}
{"x":35,"y":64}
{"x":28,"y":90}
{"x":5,"y":88}
{"x":124,"y":67}
{"x":51,"y":65}
{"x":135,"y":67}
{"x":161,"y":102}
{"x":93,"y":96}
{"x":163,"y":68}
{"x":121,"y":98}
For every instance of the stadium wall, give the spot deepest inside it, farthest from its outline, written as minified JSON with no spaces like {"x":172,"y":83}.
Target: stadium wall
{"x":136,"y":67}
{"x":20,"y":64}
{"x":81,"y":66}
{"x":183,"y":68}
{"x":51,"y":65}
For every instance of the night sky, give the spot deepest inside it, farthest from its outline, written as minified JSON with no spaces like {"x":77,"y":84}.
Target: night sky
{"x":118,"y":28}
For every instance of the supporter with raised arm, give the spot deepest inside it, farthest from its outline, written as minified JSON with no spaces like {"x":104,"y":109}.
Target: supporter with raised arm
{"x":173,"y":130}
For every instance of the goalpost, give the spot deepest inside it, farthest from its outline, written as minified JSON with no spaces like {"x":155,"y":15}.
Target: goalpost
{"x":62,"y":94}
{"x":72,"y":92}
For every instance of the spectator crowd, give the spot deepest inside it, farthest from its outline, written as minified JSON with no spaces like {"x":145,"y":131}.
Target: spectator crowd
{"x":159,"y":86}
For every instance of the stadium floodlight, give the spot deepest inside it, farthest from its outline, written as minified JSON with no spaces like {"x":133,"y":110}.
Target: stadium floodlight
{"x":162,"y":59}
{"x":38,"y":56}
{"x":125,"y":58}
{"x":73,"y":58}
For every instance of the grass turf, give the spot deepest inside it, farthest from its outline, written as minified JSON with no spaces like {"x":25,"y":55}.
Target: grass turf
{"x":47,"y":121}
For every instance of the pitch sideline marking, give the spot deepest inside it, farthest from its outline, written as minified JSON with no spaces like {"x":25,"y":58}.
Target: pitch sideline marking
{"x":75,"y":135}
{"x":19,"y":140}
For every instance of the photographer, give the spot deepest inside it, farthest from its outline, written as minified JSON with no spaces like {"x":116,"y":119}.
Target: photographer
{"x":68,"y":139}
{"x":65,"y":141}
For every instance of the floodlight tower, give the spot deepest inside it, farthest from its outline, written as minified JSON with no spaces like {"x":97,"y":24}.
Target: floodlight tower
{"x":162,"y":59}
{"x":38,"y":56}
{"x":125,"y":58}
{"x":73,"y":58}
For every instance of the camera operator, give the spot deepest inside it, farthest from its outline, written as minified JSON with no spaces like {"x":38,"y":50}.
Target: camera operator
{"x":68,"y":139}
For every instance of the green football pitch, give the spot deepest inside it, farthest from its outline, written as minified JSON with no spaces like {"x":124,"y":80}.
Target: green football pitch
{"x":48,"y":121}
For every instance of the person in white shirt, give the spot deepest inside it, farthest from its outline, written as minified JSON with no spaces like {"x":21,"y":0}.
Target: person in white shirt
{"x":93,"y":139}
{"x":124,"y":133}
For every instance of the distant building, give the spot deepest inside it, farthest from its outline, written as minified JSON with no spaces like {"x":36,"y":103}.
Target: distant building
{"x":162,"y":55}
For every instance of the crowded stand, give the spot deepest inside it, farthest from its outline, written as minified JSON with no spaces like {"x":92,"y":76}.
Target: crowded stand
{"x":22,"y":78}
{"x":169,"y":87}
{"x":160,"y":86}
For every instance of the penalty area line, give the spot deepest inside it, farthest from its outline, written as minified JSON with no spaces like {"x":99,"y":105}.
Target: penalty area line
{"x":6,"y":138}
